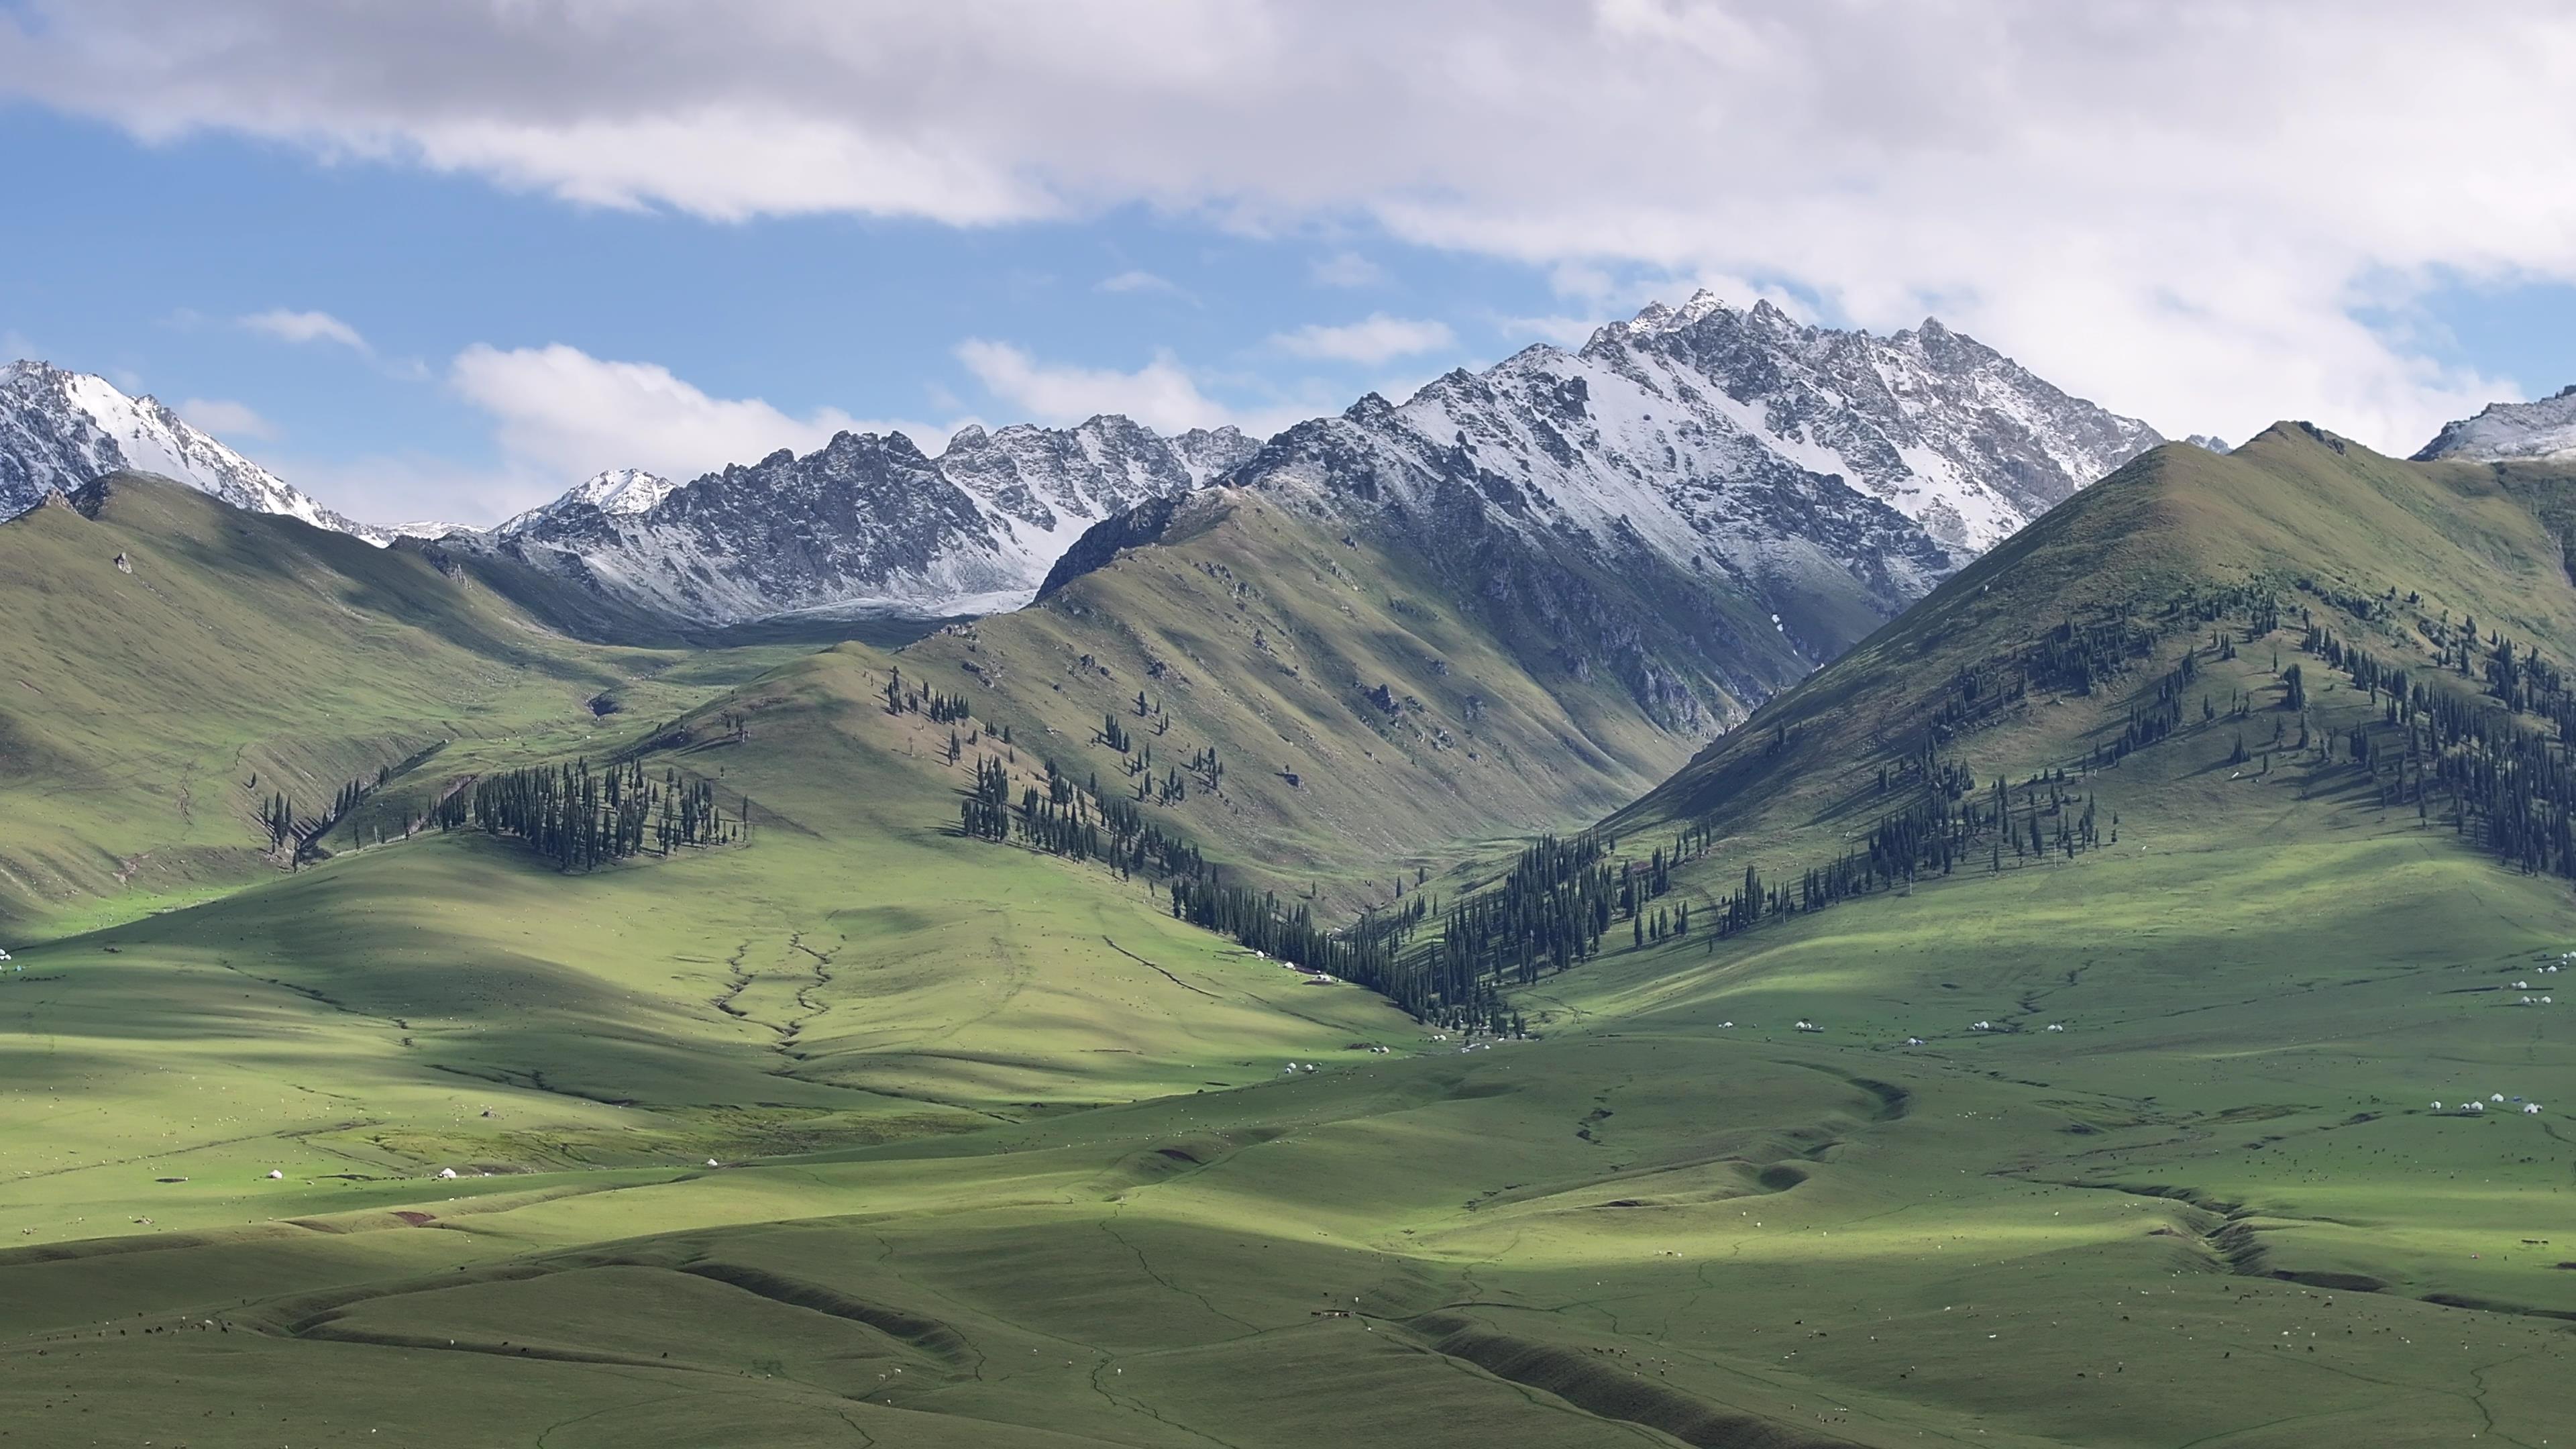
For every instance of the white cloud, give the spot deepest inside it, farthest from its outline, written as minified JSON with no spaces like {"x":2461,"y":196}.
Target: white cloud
{"x":567,"y":415}
{"x":1374,"y":339}
{"x":1562,"y":330}
{"x":292,"y":326}
{"x":1142,"y":281}
{"x":226,"y":419}
{"x":2174,"y":208}
{"x":1345,"y":269}
{"x":394,"y":488}
{"x":1161,"y":394}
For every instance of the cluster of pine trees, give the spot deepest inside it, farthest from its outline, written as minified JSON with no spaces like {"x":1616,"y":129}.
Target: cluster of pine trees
{"x":582,"y":819}
{"x":942,"y":708}
{"x":1548,"y":914}
{"x":2509,"y":787}
{"x":279,"y":816}
{"x":1066,"y":821}
{"x":1369,"y":953}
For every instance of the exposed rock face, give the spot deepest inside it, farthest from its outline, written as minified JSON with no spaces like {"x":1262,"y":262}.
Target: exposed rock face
{"x":2509,"y":432}
{"x":1704,"y":502}
{"x":1708,"y":502}
{"x":1818,"y":473}
{"x":60,"y":430}
{"x":865,"y":524}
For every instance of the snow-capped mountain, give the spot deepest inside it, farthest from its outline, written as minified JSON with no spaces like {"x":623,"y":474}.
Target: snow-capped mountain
{"x":617,"y":492}
{"x":1833,"y":472}
{"x":1776,"y":489}
{"x":2506,"y":432}
{"x":59,"y":430}
{"x":865,"y":524}
{"x":425,"y":528}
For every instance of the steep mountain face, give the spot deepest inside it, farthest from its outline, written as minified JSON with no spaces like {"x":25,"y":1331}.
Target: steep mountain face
{"x":59,"y":430}
{"x":2507,"y":432}
{"x":865,"y":524}
{"x":1361,"y":714}
{"x":1706,"y":502}
{"x":1825,"y":478}
{"x":2052,"y":647}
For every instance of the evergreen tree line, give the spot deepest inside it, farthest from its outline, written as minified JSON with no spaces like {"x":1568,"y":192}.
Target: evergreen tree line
{"x":1370,"y":953}
{"x":279,"y":817}
{"x":941,"y":708}
{"x":580,"y":819}
{"x":1548,"y":914}
{"x":1936,"y":834}
{"x":1063,"y":821}
{"x":2510,"y":788}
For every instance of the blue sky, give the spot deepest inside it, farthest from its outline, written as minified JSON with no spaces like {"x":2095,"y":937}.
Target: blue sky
{"x":147,"y":260}
{"x":445,"y":261}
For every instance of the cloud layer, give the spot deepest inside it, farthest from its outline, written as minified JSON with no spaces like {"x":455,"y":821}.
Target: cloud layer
{"x":564,"y":415}
{"x":1371,"y":341}
{"x":291,"y":326}
{"x":2174,"y":207}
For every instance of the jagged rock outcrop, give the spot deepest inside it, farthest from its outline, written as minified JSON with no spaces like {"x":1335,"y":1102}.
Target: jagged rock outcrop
{"x":2509,"y":432}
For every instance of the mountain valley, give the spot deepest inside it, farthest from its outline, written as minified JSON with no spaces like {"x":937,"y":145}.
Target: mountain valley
{"x":1553,"y":941}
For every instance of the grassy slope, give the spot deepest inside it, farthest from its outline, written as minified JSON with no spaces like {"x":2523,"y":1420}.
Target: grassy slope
{"x":1257,"y":634}
{"x":2288,"y":504}
{"x":137,"y":708}
{"x":1674,"y":1220}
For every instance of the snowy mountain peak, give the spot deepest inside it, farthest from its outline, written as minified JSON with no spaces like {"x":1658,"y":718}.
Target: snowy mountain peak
{"x":2510,"y":431}
{"x":60,"y":429}
{"x":623,"y":490}
{"x":617,"y":491}
{"x":1703,"y":302}
{"x":867,"y":523}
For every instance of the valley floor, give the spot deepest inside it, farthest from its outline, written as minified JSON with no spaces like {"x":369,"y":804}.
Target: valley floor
{"x":2216,"y":1208}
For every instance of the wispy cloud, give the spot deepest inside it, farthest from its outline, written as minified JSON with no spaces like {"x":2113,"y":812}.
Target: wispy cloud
{"x":571,"y":414}
{"x":1561,"y":330}
{"x":2175,"y":208}
{"x":1374,"y":339}
{"x":1148,"y":282}
{"x":1162,"y":394}
{"x":1345,"y":269}
{"x":226,"y":419}
{"x":302,"y":327}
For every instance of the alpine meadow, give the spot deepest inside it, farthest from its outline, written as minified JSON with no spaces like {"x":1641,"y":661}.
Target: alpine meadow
{"x":1726,"y":879}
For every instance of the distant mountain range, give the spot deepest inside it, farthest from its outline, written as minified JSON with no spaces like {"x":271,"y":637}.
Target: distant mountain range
{"x":1830,"y":477}
{"x":1726,"y":440}
{"x":60,"y":430}
{"x":2510,"y":432}
{"x":865,"y":524}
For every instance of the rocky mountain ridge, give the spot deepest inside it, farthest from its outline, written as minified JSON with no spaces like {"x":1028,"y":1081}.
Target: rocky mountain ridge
{"x":2509,"y":432}
{"x":866,"y":524}
{"x":60,"y":430}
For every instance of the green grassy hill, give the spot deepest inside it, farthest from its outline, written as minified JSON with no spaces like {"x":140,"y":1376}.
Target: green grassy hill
{"x":1365,"y":719}
{"x":1005,"y":1155}
{"x":148,"y":714}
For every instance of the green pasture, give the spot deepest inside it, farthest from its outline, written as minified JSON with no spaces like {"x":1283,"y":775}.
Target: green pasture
{"x":1003,"y":1155}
